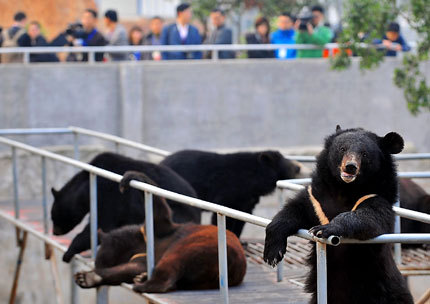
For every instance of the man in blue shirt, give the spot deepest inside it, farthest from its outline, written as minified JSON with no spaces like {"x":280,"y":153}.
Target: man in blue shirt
{"x":284,"y":35}
{"x":181,"y":33}
{"x":393,"y":41}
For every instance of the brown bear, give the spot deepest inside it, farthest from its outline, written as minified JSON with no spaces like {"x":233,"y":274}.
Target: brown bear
{"x":186,"y":255}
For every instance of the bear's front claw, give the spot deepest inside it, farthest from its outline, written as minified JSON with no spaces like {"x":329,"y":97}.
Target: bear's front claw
{"x":324,"y":231}
{"x":273,"y":255}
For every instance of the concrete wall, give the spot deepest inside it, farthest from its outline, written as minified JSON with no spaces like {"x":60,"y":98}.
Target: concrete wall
{"x":242,"y":103}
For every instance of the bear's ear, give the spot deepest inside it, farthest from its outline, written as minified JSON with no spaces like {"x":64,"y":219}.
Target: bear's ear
{"x":338,"y":129}
{"x":54,"y":192}
{"x":268,"y":157}
{"x":392,"y":143}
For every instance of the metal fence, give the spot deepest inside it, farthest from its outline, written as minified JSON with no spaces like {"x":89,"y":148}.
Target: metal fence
{"x":213,"y":48}
{"x":150,"y":190}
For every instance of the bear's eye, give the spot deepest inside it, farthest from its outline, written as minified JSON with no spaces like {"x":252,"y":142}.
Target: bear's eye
{"x":342,"y":149}
{"x":364,"y":154}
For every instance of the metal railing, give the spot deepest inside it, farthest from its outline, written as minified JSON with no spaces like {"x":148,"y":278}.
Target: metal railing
{"x":220,"y":210}
{"x":149,"y":191}
{"x":214,"y":48}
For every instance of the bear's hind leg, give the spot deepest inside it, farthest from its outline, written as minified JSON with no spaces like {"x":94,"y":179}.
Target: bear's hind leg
{"x":88,"y":279}
{"x":162,"y":280}
{"x":116,"y":275}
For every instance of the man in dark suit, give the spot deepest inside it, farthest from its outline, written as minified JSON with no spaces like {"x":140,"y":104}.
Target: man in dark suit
{"x":181,"y":33}
{"x":220,"y":34}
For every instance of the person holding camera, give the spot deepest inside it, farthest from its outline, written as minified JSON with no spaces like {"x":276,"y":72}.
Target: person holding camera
{"x":87,"y":35}
{"x":311,"y":29}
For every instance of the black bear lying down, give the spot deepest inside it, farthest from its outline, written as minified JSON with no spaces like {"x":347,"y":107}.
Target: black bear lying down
{"x":413,"y":197}
{"x":186,"y":255}
{"x":72,"y":202}
{"x":235,"y":180}
{"x":354,"y":163}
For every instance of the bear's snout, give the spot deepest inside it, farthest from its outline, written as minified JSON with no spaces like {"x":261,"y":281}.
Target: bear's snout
{"x":350,"y":167}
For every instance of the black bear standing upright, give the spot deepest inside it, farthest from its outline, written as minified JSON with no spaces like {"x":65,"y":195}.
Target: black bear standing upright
{"x":355,"y":166}
{"x":114,"y":209}
{"x":235,"y":180}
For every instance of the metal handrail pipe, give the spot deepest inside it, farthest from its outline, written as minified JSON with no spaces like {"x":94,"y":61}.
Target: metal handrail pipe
{"x":416,"y":174}
{"x":119,"y":140}
{"x":36,"y":131}
{"x":412,"y":215}
{"x":412,"y":156}
{"x":403,"y":156}
{"x":163,"y":48}
{"x":291,"y":184}
{"x":301,"y":158}
{"x":297,"y":184}
{"x":404,"y":238}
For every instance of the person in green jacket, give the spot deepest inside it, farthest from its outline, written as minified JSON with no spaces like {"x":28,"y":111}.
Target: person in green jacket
{"x":315,"y":33}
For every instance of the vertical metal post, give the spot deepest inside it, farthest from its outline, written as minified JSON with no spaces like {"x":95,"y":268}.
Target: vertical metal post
{"x":215,"y":56}
{"x":74,"y":298}
{"x":103,"y":295}
{"x":22,"y":244}
{"x":279,"y":269}
{"x":222,"y":258}
{"x":91,"y":57}
{"x":149,"y":228}
{"x":93,"y":214}
{"x":44,"y":197}
{"x":102,"y":292}
{"x":26,"y":57}
{"x":397,"y":246}
{"x":76,"y":145}
{"x":321,"y":273}
{"x":15,"y":182}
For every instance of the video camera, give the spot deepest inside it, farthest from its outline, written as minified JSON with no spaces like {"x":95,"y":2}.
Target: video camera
{"x":76,"y":30}
{"x":305,"y":16}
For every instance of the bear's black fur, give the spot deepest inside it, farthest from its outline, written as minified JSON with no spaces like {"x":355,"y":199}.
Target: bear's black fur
{"x":353,"y":163}
{"x":186,"y":255}
{"x":235,"y":180}
{"x":72,"y":202}
{"x":413,"y":197}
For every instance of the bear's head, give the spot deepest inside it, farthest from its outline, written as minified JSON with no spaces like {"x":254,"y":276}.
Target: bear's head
{"x":71,"y":204}
{"x":353,"y":156}
{"x":282,"y":167}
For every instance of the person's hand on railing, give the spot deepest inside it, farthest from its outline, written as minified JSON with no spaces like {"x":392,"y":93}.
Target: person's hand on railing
{"x":391,"y":46}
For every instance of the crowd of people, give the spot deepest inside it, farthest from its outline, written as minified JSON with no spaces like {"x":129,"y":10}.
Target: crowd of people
{"x":307,"y":28}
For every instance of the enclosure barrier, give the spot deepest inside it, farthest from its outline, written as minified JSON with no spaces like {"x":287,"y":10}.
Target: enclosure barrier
{"x":220,"y":210}
{"x":214,"y":48}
